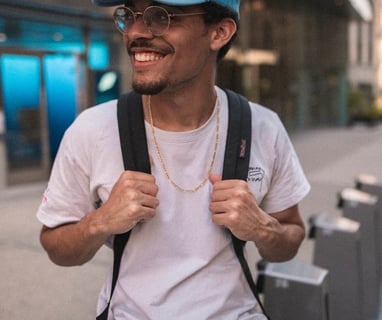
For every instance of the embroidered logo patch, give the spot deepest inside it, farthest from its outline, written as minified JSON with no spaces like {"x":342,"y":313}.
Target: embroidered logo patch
{"x":256,"y":174}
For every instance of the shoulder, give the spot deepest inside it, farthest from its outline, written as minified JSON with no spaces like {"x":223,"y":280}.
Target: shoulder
{"x":91,"y":128}
{"x":97,"y":117}
{"x":264,"y":115}
{"x":266,"y":122}
{"x":268,"y":131}
{"x":260,"y":114}
{"x":95,"y":121}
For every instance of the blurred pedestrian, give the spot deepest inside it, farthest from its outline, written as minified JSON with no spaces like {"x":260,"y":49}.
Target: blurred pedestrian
{"x":2,"y":125}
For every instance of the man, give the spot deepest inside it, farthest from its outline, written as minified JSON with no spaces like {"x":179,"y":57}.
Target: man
{"x":179,"y":262}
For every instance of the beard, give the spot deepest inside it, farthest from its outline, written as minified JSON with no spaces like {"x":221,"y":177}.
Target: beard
{"x":151,"y":88}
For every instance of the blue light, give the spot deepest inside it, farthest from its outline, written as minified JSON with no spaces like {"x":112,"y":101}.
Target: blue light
{"x":98,"y":57}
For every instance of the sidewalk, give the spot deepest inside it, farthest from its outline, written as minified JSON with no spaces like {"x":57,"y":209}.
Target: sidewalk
{"x":31,"y":287}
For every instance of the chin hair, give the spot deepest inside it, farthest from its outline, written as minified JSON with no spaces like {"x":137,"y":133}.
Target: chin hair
{"x":149,"y":88}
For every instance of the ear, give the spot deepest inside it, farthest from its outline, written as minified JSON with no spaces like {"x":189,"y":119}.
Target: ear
{"x":222,"y":33}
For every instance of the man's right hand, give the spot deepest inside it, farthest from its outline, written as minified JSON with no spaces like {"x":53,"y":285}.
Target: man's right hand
{"x":132,"y":200}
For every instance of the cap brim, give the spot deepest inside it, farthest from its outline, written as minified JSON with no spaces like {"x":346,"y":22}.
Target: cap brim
{"x":107,"y":3}
{"x":232,"y":4}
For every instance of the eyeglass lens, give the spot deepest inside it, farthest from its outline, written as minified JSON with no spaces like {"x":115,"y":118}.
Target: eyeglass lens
{"x":155,"y":18}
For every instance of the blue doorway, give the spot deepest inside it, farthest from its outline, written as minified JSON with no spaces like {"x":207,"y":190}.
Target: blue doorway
{"x":39,"y":98}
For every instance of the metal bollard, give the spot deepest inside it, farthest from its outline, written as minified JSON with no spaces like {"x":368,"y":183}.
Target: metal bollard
{"x":294,"y":290}
{"x":361,"y":207}
{"x":337,"y":249}
{"x":371,"y":185}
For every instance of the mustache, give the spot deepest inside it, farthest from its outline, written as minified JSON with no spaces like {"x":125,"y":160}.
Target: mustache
{"x":144,"y":43}
{"x":141,"y":43}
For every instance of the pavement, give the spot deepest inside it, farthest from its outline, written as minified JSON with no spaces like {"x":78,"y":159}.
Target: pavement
{"x":31,"y":287}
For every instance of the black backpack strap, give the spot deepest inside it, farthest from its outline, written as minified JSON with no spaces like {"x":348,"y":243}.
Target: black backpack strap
{"x":135,"y":155}
{"x":132,"y":133}
{"x":238,"y":145}
{"x":236,"y":165}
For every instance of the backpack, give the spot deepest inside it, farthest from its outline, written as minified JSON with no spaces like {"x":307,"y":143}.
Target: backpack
{"x":135,"y":157}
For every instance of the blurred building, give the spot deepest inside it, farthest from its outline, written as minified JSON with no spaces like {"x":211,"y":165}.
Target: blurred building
{"x":293,"y":56}
{"x":298,"y":57}
{"x":365,"y":61}
{"x":378,"y":50}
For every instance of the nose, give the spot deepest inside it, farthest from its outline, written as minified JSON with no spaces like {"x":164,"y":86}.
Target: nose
{"x":138,"y":29}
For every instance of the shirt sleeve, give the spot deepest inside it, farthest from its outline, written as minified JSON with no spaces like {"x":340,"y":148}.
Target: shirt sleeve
{"x":68,"y":197}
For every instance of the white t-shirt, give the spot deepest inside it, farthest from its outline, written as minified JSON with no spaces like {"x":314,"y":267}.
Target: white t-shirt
{"x":179,"y":265}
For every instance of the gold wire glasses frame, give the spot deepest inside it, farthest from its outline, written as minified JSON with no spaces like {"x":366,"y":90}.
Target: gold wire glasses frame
{"x":156,"y":19}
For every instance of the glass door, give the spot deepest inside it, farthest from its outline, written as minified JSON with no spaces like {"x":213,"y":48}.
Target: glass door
{"x":24,"y":108}
{"x":39,"y":99}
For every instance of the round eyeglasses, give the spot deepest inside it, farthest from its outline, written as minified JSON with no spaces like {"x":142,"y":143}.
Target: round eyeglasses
{"x":156,"y":19}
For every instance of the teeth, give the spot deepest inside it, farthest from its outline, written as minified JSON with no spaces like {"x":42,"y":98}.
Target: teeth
{"x":147,"y":57}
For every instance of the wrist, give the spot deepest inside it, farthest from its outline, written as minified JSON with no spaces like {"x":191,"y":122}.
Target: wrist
{"x":94,"y":225}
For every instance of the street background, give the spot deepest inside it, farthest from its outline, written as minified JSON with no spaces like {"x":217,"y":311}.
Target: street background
{"x":31,"y":287}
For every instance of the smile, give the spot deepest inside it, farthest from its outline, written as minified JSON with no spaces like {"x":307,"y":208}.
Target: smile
{"x":147,"y":56}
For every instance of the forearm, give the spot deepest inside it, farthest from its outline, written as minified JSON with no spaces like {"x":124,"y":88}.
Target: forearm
{"x":279,"y":242}
{"x":76,"y":243}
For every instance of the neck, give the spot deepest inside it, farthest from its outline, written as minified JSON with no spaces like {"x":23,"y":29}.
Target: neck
{"x":181,"y":111}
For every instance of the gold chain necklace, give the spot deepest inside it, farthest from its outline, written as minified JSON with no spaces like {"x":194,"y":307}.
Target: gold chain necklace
{"x":161,"y":160}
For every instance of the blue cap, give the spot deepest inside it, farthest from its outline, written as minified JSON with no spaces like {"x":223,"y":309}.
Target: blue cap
{"x":231,"y":4}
